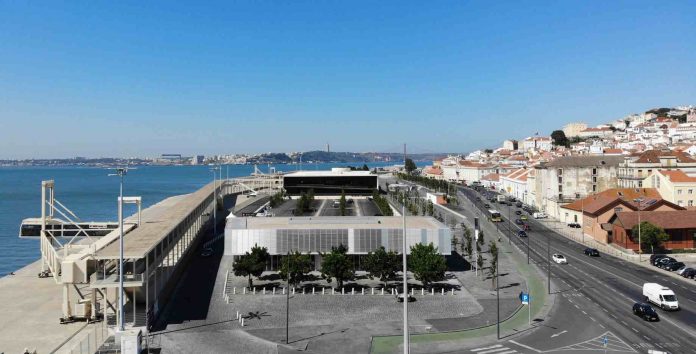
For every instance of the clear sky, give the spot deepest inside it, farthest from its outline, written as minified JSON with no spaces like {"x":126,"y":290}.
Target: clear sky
{"x":141,"y":78}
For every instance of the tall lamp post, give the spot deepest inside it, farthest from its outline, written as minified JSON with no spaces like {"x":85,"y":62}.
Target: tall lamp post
{"x":120,"y":172}
{"x":403,"y":260}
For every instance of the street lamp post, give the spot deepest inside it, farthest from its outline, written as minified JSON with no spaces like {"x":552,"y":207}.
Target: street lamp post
{"x":403,"y":250}
{"x":497,"y":289}
{"x":640,"y":246}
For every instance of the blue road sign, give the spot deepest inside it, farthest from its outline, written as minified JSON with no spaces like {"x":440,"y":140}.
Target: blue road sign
{"x":605,"y":340}
{"x":524,"y":297}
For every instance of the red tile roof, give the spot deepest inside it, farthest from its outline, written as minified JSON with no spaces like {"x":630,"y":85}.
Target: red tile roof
{"x":677,"y":176}
{"x":679,"y":219}
{"x":600,"y":201}
{"x":653,"y":156}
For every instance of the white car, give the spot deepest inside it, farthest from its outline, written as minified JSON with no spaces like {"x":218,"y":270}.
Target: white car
{"x":559,"y":258}
{"x":540,"y":215}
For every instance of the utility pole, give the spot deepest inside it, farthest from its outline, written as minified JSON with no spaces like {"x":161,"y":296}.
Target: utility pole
{"x":476,"y":236}
{"x":497,"y":288}
{"x":213,"y":170}
{"x":403,"y":250}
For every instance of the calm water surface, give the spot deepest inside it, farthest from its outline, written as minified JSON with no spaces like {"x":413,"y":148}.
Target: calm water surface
{"x":92,"y":195}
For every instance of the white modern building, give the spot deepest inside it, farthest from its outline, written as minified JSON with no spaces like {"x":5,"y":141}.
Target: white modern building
{"x":316,"y":235}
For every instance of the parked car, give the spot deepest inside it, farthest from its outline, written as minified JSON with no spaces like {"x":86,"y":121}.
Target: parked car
{"x":518,"y":212}
{"x":662,"y":262}
{"x":478,"y":199}
{"x":487,"y":206}
{"x":683,"y":269}
{"x":592,"y":252}
{"x":574,"y":225}
{"x":689,"y":273}
{"x":656,"y":262}
{"x":521,"y":233}
{"x":672,"y":266}
{"x":519,"y":222}
{"x":655,"y":256}
{"x":518,"y":204}
{"x":661,"y":296}
{"x":645,"y":311}
{"x":540,"y":215}
{"x":526,"y":227}
{"x":559,"y":258}
{"x":523,"y":217}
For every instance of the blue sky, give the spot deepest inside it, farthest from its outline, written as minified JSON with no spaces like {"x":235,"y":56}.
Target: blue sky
{"x":144,"y":77}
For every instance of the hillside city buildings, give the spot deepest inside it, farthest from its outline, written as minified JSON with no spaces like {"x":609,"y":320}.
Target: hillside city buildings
{"x":599,"y":177}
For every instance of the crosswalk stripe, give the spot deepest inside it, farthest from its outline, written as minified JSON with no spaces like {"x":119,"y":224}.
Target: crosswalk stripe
{"x":486,"y":348}
{"x":508,"y":352}
{"x":493,"y":350}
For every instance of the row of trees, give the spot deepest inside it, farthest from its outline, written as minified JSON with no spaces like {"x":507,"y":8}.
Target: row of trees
{"x":426,"y":264}
{"x":277,"y":198}
{"x":382,"y":203}
{"x":304,"y":203}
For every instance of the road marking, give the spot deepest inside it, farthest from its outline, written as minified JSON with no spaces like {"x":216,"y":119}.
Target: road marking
{"x":646,"y":337}
{"x":584,"y":312}
{"x":525,"y":346}
{"x":624,"y":322}
{"x":593,"y":319}
{"x":601,"y":325}
{"x":486,"y":348}
{"x":634,"y":330}
{"x":558,"y":334}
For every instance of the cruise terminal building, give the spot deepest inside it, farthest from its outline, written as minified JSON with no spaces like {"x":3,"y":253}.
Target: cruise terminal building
{"x":315,"y":235}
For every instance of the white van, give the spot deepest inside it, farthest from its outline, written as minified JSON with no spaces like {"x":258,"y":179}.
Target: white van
{"x":540,"y":215}
{"x":661,"y":296}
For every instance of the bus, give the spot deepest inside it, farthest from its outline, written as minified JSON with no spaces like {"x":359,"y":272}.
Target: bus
{"x":494,"y":216}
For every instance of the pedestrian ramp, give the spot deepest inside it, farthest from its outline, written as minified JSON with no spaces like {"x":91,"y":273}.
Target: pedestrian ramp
{"x":494,"y":349}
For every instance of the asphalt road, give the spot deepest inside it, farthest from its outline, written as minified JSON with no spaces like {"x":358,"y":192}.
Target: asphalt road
{"x":596,"y":296}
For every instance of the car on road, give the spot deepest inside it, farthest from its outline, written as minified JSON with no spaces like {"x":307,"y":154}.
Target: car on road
{"x":518,"y":212}
{"x":523,"y":217}
{"x":207,"y":252}
{"x":574,"y":225}
{"x":559,"y":258}
{"x":478,"y":199}
{"x":661,"y":296}
{"x":519,"y":222}
{"x":645,"y":311}
{"x":526,"y":227}
{"x":487,"y":206}
{"x":521,"y":233}
{"x":592,"y":252}
{"x":540,"y":215}
{"x":672,"y":266}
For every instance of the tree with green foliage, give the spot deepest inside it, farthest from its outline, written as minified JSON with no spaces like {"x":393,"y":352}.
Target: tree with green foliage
{"x":382,"y":265}
{"x":336,"y":264}
{"x":297,"y":265}
{"x":410,"y":166}
{"x":304,"y":202}
{"x":427,"y":264}
{"x":493,"y":270}
{"x":251,"y":264}
{"x":469,"y":243}
{"x":480,"y":238}
{"x":559,"y":138}
{"x":431,"y":208}
{"x":342,"y":203}
{"x":479,"y":261}
{"x":365,"y":168}
{"x":651,"y":236}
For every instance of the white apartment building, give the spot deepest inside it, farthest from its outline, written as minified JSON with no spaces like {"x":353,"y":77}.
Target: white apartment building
{"x":515,"y":183}
{"x":633,"y":171}
{"x":674,"y":186}
{"x":510,"y":145}
{"x":537,"y":143}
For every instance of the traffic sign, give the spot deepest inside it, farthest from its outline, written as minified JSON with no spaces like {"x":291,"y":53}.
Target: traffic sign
{"x":524,"y":297}
{"x":605,"y":340}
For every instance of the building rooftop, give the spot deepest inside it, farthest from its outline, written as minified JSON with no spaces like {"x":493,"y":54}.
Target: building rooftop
{"x":677,"y":176}
{"x":586,"y":161}
{"x":611,"y":197}
{"x":653,"y":156}
{"x":679,"y":219}
{"x":329,"y":222}
{"x":333,"y":172}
